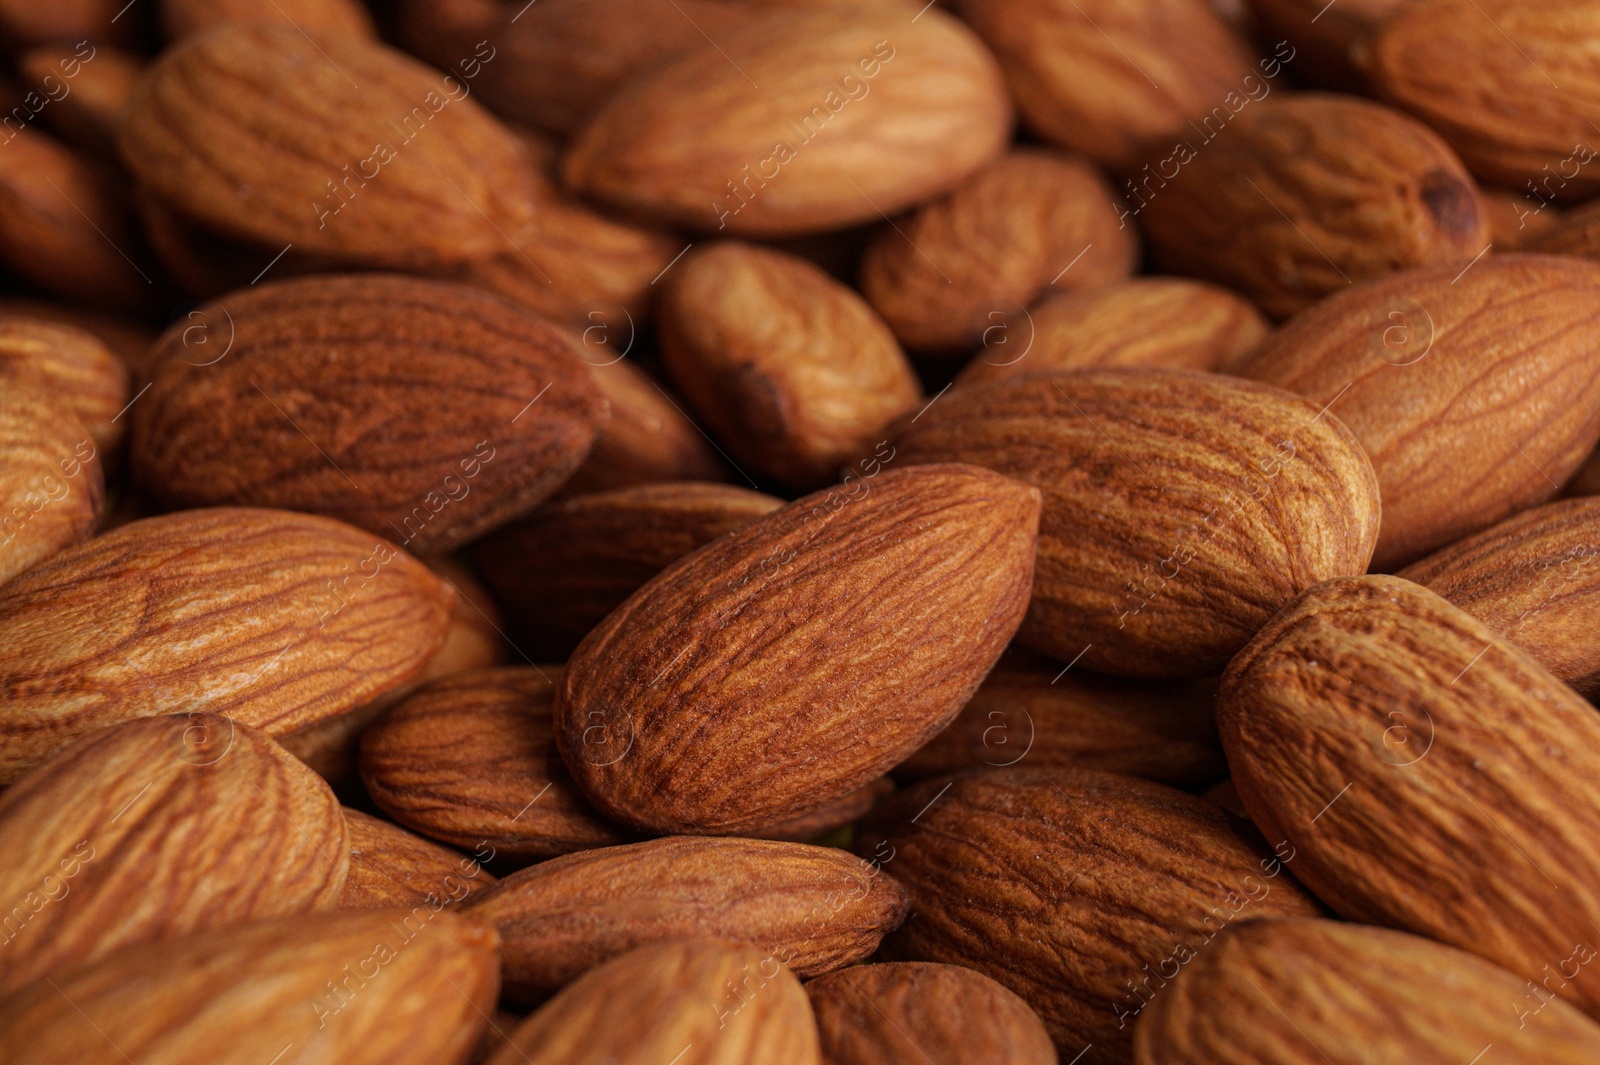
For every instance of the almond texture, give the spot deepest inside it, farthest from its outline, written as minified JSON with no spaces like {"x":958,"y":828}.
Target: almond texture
{"x":391,"y":868}
{"x":52,"y":488}
{"x":74,"y":366}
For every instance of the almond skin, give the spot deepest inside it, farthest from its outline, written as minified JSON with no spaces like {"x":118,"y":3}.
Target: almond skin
{"x":562,"y":569}
{"x":424,"y":412}
{"x":71,"y":364}
{"x":813,"y":909}
{"x":861,"y":113}
{"x":1300,"y":196}
{"x":322,"y":19}
{"x":375,"y":159}
{"x":911,"y":1013}
{"x":101,"y":77}
{"x":315,"y":983}
{"x":52,"y":488}
{"x":789,"y":367}
{"x":1520,"y":222}
{"x":1030,"y":222}
{"x":1575,"y":233}
{"x":391,"y":868}
{"x":1075,"y":890}
{"x":1465,"y":775}
{"x":263,"y":616}
{"x":1473,"y":393}
{"x":1181,"y":510}
{"x":924,"y":574}
{"x":650,"y":1005}
{"x":1306,"y":992}
{"x":159,"y":828}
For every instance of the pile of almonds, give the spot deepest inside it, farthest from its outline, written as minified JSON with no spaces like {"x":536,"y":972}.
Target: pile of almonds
{"x":784,"y":532}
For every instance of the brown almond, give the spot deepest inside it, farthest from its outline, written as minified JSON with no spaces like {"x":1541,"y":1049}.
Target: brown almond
{"x":812,"y":909}
{"x":1328,"y":43}
{"x":818,"y":825}
{"x":52,"y":488}
{"x":74,"y":366}
{"x":1577,"y":232}
{"x":264,"y":616}
{"x":322,"y":19}
{"x":392,"y":869}
{"x":88,"y":87}
{"x":158,"y":828}
{"x":129,"y":338}
{"x":23,"y":22}
{"x":1519,"y":221}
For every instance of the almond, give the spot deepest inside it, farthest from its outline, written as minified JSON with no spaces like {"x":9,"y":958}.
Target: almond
{"x":650,"y":1005}
{"x":1521,"y":222}
{"x":911,"y":1013}
{"x":266,"y":617}
{"x":158,"y":828}
{"x":812,"y":909}
{"x":860,"y":113}
{"x":1181,"y":510}
{"x":819,"y":825}
{"x":1306,"y":992}
{"x":1329,"y":42}
{"x":1298,"y":197}
{"x":71,"y":364}
{"x":322,"y":19}
{"x":52,"y":489}
{"x":345,"y":988}
{"x":922,"y":574}
{"x":1473,"y":392}
{"x":1081,"y":892}
{"x":1432,"y":777}
{"x":391,"y":868}
{"x":1028,"y":223}
{"x":414,"y":409}
{"x":789,"y":367}
{"x":130,"y":339}
{"x":88,"y":87}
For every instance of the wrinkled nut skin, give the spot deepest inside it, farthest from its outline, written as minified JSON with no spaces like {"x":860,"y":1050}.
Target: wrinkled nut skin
{"x":73,"y":365}
{"x":253,"y":614}
{"x":392,"y":869}
{"x":157,"y":828}
{"x":425,"y":412}
{"x":790,"y":368}
{"x":52,"y":487}
{"x":1301,"y":196}
{"x":1474,"y":394}
{"x":230,"y":995}
{"x":1181,"y":510}
{"x":1306,"y":992}
{"x":1073,"y":889}
{"x":922,"y":574}
{"x":652,"y":1005}
{"x":911,"y":1013}
{"x":1467,"y":778}
{"x":813,"y":909}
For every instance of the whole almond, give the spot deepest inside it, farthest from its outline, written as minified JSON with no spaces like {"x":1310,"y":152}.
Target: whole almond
{"x":71,"y":364}
{"x":813,"y":909}
{"x":651,"y":1005}
{"x":158,"y":828}
{"x":1306,"y":992}
{"x":391,"y":868}
{"x":924,"y":574}
{"x":425,"y":412}
{"x":322,"y":19}
{"x":263,"y":616}
{"x":1298,"y":197}
{"x":52,"y":488}
{"x":1432,"y":777}
{"x":366,"y":988}
{"x":1028,"y":223}
{"x":1181,"y":510}
{"x":1473,"y":393}
{"x":911,"y":1013}
{"x":860,"y":113}
{"x":789,"y":367}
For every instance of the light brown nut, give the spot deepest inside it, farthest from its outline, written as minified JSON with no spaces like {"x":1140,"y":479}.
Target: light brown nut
{"x":812,"y":909}
{"x":652,"y":1005}
{"x":1299,"y":197}
{"x":425,"y":412}
{"x":923,"y":574}
{"x":1306,"y":992}
{"x":859,"y":113}
{"x":73,"y":366}
{"x":263,"y":616}
{"x":322,"y":19}
{"x":340,"y":988}
{"x":1030,"y":223}
{"x":87,"y":86}
{"x":129,"y":338}
{"x":1472,"y":392}
{"x":391,"y":868}
{"x":52,"y":488}
{"x":159,"y":828}
{"x":1073,"y":889}
{"x":1431,"y":776}
{"x":1181,"y":510}
{"x":789,"y":367}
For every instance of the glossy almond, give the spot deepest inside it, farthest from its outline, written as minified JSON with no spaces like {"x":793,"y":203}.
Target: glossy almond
{"x":791,"y":369}
{"x":263,"y":616}
{"x":811,"y":909}
{"x":1432,"y":777}
{"x":74,"y":366}
{"x":158,"y":828}
{"x":1181,"y":510}
{"x":1029,"y":223}
{"x":391,"y":868}
{"x":52,"y":489}
{"x":322,"y":19}
{"x":923,"y":574}
{"x":1473,"y":393}
{"x":424,"y":412}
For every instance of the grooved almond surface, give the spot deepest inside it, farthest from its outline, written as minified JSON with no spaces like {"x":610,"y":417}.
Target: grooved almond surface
{"x":390,"y":867}
{"x":263,"y":616}
{"x":71,"y":364}
{"x":52,"y":490}
{"x":159,"y":828}
{"x":823,"y":643}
